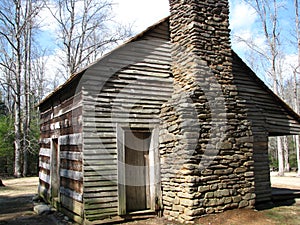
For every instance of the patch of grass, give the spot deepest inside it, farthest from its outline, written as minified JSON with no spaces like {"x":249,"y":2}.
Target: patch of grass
{"x":272,"y":214}
{"x":285,"y":215}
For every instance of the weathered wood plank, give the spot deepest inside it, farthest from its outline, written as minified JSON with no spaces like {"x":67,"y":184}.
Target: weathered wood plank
{"x":44,"y":177}
{"x":112,"y":209}
{"x":74,"y":156}
{"x":99,"y":206}
{"x":102,"y":177}
{"x":44,"y":165}
{"x":74,"y":175}
{"x":100,"y":195}
{"x":100,"y":168}
{"x":72,"y":194}
{"x":104,"y":173}
{"x":97,"y":163}
{"x":45,"y":140}
{"x":104,"y":183}
{"x":45,"y":152}
{"x":92,"y":201}
{"x":71,"y":139}
{"x":106,"y":155}
{"x":104,"y":189}
{"x":72,"y":205}
{"x":259,"y":96}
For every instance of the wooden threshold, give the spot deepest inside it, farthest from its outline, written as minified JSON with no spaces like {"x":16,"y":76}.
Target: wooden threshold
{"x":147,"y":211}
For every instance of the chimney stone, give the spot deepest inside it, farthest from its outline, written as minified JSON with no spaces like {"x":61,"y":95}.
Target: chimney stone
{"x":203,"y":160}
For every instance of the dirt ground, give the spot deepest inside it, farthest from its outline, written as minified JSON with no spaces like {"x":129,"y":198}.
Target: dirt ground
{"x":16,"y":208}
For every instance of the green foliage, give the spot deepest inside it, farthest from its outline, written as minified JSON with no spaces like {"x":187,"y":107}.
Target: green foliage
{"x":273,"y":163}
{"x":6,"y":136}
{"x":6,"y":145}
{"x":293,"y":160}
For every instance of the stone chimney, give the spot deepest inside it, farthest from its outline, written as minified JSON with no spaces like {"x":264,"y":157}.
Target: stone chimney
{"x":205,"y":138}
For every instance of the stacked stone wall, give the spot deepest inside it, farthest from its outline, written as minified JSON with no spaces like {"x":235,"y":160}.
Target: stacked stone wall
{"x":206,"y":142}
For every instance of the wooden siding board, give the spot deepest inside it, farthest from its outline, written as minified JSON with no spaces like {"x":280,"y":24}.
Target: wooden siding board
{"x":71,"y":139}
{"x":279,"y":118}
{"x":44,"y":177}
{"x":73,"y":156}
{"x":74,"y":175}
{"x":71,"y":194}
{"x":60,"y":121}
{"x":103,"y":200}
{"x":45,"y":152}
{"x":148,"y":84}
{"x":44,"y":165}
{"x":99,"y":169}
{"x":72,"y":205}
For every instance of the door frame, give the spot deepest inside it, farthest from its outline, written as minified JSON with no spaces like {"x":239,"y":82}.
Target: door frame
{"x":154,"y":168}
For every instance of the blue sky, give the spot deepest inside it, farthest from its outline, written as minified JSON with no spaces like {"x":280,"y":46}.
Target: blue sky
{"x":144,"y":13}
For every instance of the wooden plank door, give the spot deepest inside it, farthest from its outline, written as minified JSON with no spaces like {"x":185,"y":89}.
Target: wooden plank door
{"x":137,"y":145}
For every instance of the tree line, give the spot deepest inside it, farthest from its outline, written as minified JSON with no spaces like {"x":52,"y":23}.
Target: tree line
{"x":85,"y":29}
{"x":279,"y":41}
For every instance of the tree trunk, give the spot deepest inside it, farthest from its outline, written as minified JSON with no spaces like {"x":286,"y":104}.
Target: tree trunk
{"x":286,"y":154}
{"x":26,"y":88}
{"x":17,"y":88}
{"x":280,"y":157}
{"x":17,"y":142}
{"x":296,"y":72}
{"x":19,"y":21}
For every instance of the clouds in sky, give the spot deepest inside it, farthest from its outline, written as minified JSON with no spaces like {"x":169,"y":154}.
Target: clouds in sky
{"x":242,"y":16}
{"x":46,"y":20}
{"x":141,"y":13}
{"x":242,"y":24}
{"x":245,"y":25}
{"x":144,"y":13}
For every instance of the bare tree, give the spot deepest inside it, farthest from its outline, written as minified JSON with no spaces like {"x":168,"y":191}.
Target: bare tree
{"x":11,"y":36}
{"x":270,"y":54}
{"x":40,"y":83}
{"x":296,"y":79}
{"x":84,"y":30}
{"x":16,"y":27}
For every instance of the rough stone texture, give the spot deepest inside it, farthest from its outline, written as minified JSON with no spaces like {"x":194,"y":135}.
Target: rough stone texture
{"x":205,"y":138}
{"x":42,"y":209}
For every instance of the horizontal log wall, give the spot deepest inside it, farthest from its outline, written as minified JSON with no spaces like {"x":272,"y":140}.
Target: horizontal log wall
{"x":63,"y":122}
{"x":265,"y":105}
{"x":131,"y":97}
{"x":161,"y":31}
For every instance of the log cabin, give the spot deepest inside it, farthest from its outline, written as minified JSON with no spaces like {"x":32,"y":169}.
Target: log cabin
{"x":171,"y":123}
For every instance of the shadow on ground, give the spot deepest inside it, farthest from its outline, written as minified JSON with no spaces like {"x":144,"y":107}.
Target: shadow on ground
{"x":284,"y":196}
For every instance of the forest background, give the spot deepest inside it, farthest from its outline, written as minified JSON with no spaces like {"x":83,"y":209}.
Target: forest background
{"x":43,"y":42}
